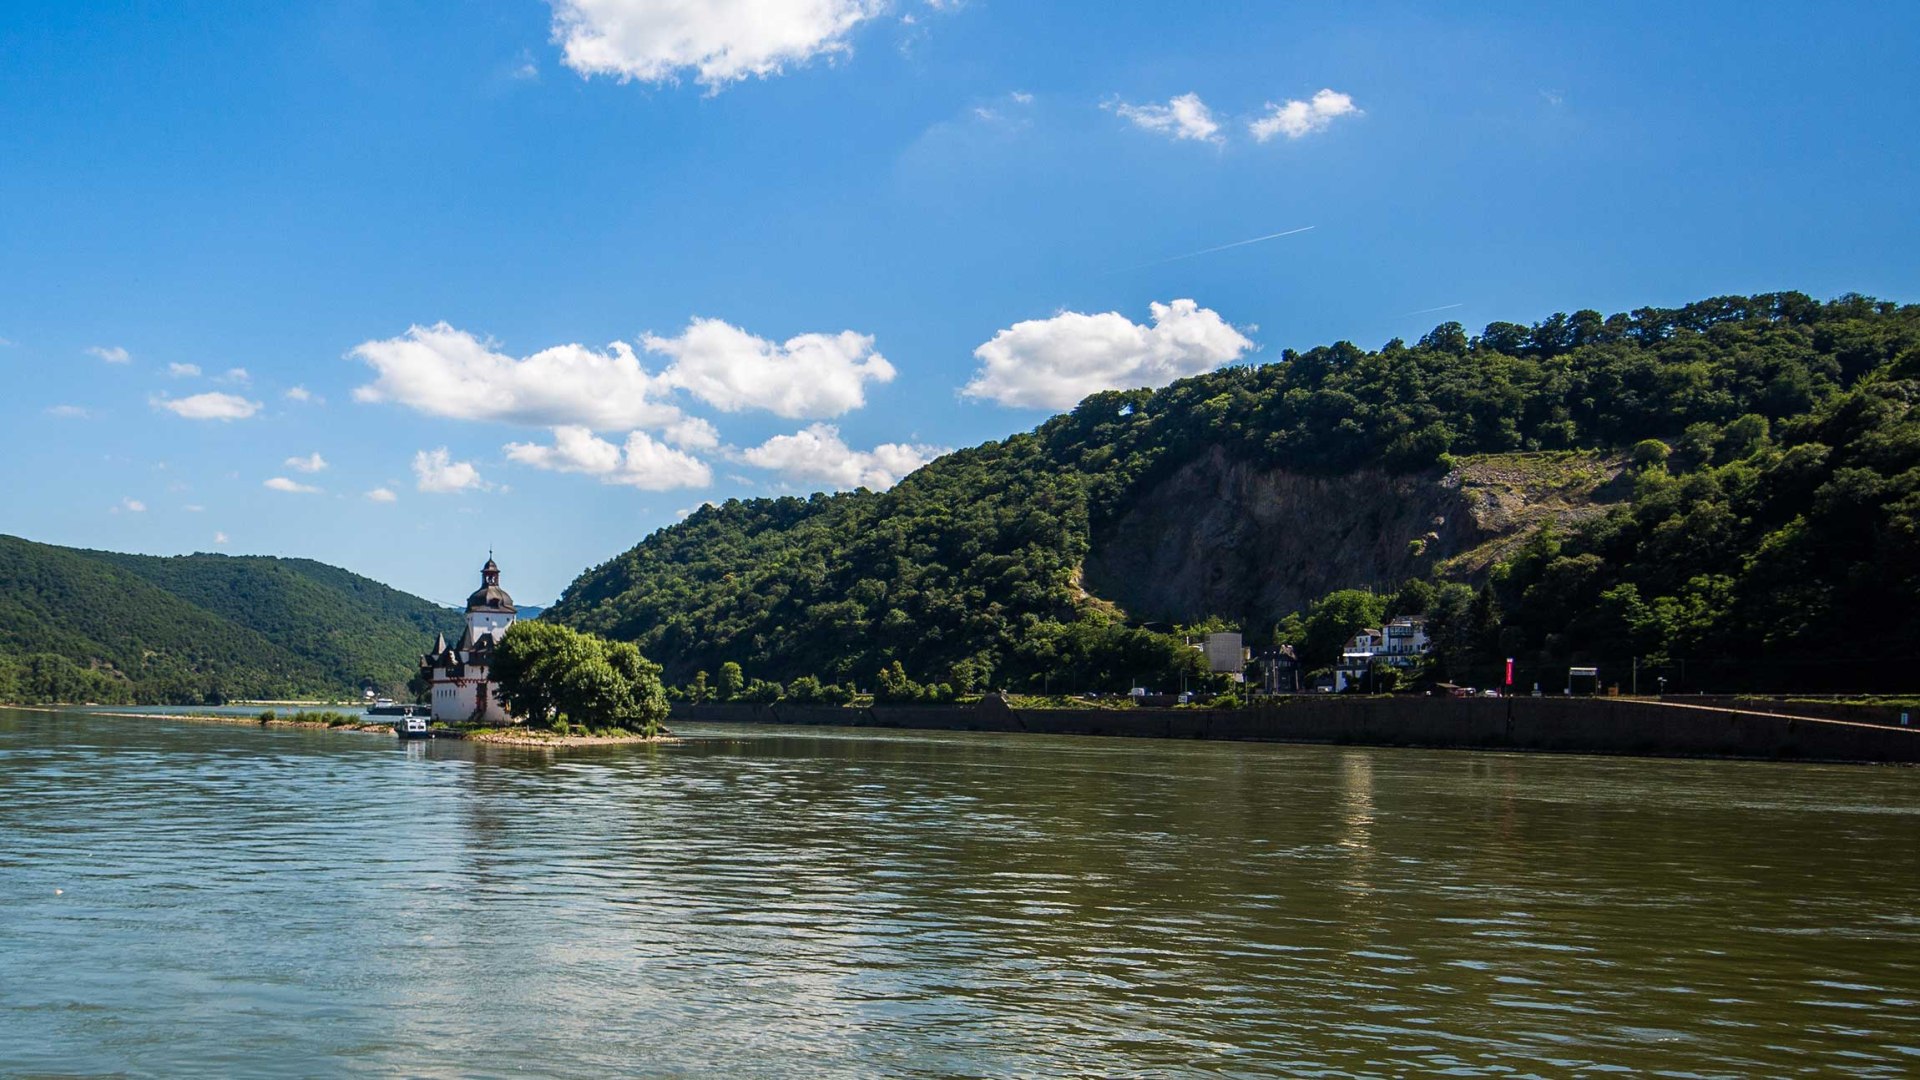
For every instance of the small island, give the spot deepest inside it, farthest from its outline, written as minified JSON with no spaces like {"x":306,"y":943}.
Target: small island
{"x":538,"y":684}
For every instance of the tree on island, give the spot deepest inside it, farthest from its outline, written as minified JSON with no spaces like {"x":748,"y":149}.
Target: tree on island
{"x":556,"y":677}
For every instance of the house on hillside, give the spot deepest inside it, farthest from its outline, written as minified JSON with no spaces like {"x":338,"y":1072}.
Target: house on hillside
{"x":1400,"y":644}
{"x":1279,"y":670}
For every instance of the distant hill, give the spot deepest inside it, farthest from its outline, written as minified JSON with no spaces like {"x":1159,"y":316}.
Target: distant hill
{"x":104,"y":626}
{"x":1728,"y":492}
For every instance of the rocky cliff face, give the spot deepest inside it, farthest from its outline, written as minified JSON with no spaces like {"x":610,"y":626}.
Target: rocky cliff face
{"x":1220,"y":536}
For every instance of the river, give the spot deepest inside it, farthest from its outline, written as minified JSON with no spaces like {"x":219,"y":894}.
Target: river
{"x":180,"y":897}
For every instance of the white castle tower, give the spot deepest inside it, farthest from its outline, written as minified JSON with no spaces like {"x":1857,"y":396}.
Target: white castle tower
{"x":462,"y":693}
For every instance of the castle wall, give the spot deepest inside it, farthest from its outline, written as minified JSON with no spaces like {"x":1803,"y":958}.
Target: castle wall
{"x":460,"y":701}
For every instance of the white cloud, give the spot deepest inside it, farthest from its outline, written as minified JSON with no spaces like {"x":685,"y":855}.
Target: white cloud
{"x":686,"y":512}
{"x":447,"y":372}
{"x":810,"y":376}
{"x":301,"y":393}
{"x":436,"y":471}
{"x":1053,"y":363}
{"x":194,"y":508}
{"x":219,"y":538}
{"x":692,"y":433}
{"x":291,"y":487}
{"x":1300,"y":118}
{"x":133,"y":506}
{"x":112,"y":354}
{"x":310,"y":464}
{"x":382,"y":495}
{"x":67,"y":412}
{"x":643,"y":463}
{"x":817,"y":453}
{"x":721,"y":41}
{"x":236,"y":375}
{"x":209,"y":406}
{"x":1184,"y":117}
{"x":183,"y":371}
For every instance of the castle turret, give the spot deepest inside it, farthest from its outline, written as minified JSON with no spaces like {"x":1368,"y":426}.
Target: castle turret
{"x":462,"y":691}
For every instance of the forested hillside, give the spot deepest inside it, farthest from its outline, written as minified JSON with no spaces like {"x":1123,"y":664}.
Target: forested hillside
{"x":1761,"y":528}
{"x":81,"y":625}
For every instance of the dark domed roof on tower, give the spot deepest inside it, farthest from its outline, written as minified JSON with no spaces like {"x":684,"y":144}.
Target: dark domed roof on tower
{"x":490,"y":596}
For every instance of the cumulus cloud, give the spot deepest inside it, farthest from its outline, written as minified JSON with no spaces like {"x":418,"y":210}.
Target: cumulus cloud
{"x":183,"y":371}
{"x":67,"y":412}
{"x":1296,"y":119}
{"x":720,"y":41}
{"x":809,"y":376}
{"x":132,"y":506}
{"x":112,"y":354}
{"x":209,"y":406}
{"x":442,"y":371}
{"x":236,"y":375}
{"x":643,"y":463}
{"x":692,"y":433}
{"x":448,"y":372}
{"x":219,"y":538}
{"x":310,"y":464}
{"x":436,"y":471}
{"x":1184,"y":117}
{"x":1053,"y":363}
{"x":382,"y":495}
{"x":816,"y":453}
{"x":291,"y":487}
{"x":301,"y":393}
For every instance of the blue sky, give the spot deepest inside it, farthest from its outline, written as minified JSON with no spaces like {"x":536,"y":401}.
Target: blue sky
{"x":776,"y":246}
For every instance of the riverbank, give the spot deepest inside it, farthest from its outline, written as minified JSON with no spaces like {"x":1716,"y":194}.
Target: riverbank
{"x":293,"y":720}
{"x":515,"y":736}
{"x":1611,"y":726}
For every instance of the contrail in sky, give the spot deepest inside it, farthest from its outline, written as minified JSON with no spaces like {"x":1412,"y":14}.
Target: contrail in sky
{"x":1222,"y":247}
{"x":1431,"y":310}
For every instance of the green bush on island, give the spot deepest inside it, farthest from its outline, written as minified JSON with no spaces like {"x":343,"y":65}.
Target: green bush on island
{"x":552,"y":675}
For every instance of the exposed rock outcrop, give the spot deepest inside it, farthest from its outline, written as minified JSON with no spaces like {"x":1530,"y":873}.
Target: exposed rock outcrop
{"x":1221,"y":536}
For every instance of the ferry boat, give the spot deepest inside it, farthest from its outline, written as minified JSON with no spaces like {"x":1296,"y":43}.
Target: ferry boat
{"x":409,"y":721}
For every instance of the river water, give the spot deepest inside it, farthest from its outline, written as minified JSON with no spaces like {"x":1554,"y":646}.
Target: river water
{"x":182,"y":897}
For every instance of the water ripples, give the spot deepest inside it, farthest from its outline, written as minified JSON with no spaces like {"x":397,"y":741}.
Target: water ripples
{"x":757,"y":902}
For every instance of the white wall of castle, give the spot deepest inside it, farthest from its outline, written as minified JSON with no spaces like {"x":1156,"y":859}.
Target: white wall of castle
{"x":493,"y":622}
{"x":455,"y":700}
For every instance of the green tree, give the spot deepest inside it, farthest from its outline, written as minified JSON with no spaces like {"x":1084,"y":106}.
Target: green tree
{"x":1649,"y":453}
{"x":549,"y":675}
{"x":1334,"y":618}
{"x":732,"y":681}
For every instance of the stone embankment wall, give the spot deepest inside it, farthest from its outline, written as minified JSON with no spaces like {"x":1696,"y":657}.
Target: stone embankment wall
{"x":1564,"y":725}
{"x":1824,"y":710}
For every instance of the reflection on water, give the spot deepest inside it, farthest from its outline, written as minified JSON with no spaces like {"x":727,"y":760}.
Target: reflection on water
{"x":201,"y":898}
